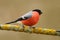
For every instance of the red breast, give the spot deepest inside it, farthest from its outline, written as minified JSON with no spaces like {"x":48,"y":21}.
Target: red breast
{"x":33,"y":20}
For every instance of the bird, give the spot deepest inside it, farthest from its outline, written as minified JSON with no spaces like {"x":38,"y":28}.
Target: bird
{"x":30,"y":19}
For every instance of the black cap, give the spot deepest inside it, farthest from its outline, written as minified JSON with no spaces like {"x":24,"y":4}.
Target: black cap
{"x":39,"y":11}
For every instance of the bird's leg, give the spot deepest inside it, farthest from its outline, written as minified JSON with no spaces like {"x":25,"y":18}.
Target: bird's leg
{"x":23,"y":27}
{"x":21,"y":24}
{"x":30,"y":28}
{"x":33,"y":27}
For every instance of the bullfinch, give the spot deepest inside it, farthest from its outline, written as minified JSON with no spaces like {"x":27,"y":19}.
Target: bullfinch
{"x":30,"y":18}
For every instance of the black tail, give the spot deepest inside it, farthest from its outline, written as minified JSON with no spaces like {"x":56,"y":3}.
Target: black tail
{"x":11,"y":22}
{"x":19,"y":19}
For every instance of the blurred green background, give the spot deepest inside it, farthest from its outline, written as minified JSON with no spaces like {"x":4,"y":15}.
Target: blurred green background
{"x":12,"y":9}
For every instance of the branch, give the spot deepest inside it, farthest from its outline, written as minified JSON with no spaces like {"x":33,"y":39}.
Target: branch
{"x":36,"y":30}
